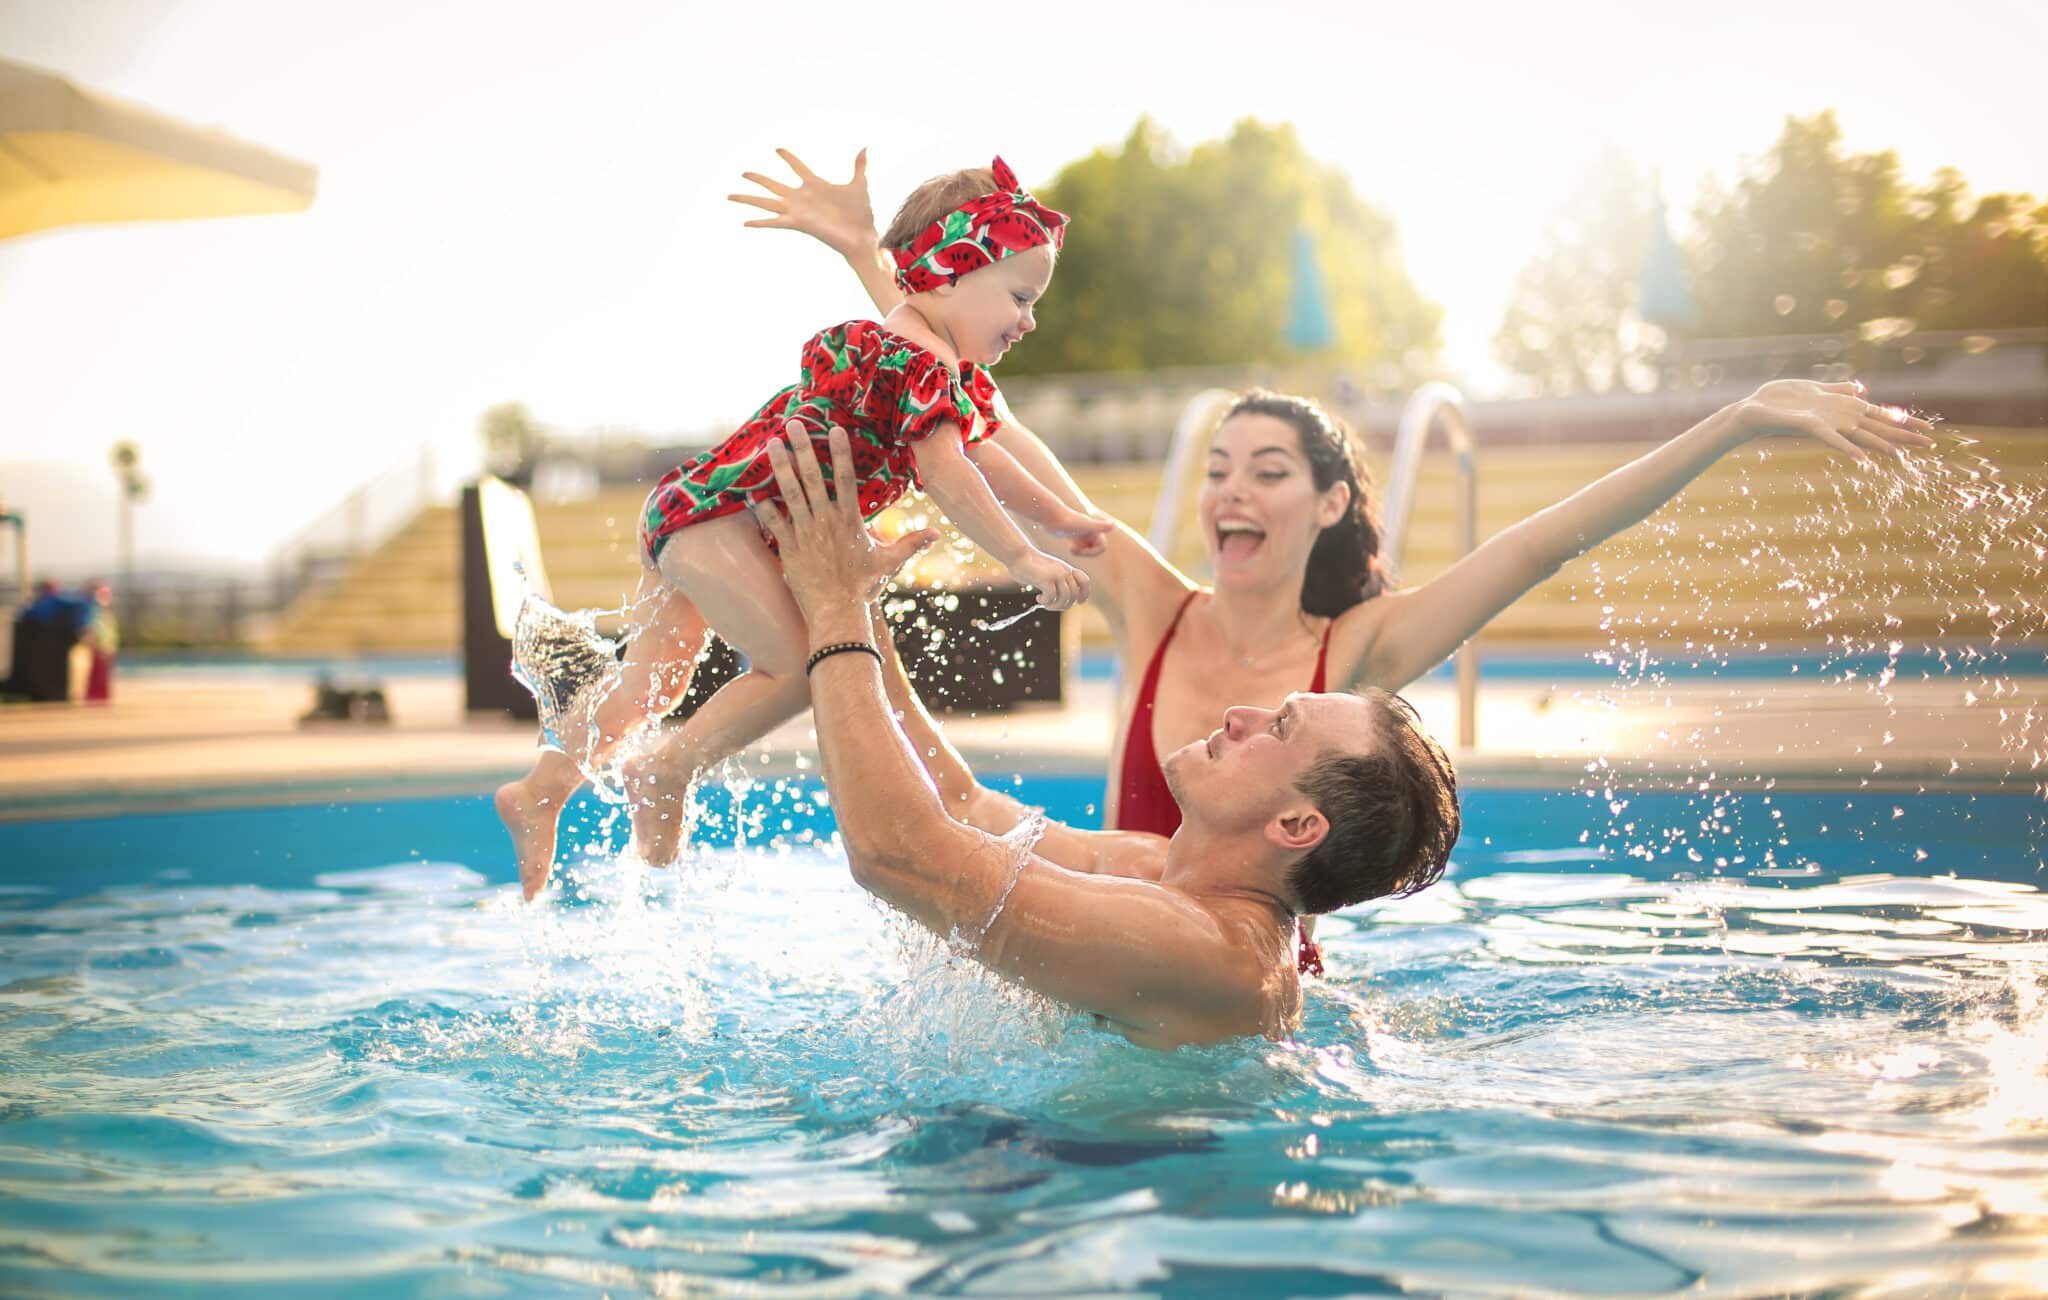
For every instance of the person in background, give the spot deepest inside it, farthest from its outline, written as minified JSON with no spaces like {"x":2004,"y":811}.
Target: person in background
{"x":50,"y":605}
{"x":46,"y":632}
{"x":102,"y":636}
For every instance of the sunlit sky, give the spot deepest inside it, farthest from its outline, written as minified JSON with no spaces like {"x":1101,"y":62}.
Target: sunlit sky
{"x":519,"y":203}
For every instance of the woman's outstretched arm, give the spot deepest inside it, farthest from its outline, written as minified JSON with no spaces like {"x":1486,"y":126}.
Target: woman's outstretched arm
{"x":1406,"y":633}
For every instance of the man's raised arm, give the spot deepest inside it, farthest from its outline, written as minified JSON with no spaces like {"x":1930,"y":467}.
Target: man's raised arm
{"x":1157,"y":964}
{"x":1135,"y":854}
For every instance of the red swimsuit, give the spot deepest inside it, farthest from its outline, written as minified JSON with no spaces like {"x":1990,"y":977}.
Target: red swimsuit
{"x":1144,"y":803}
{"x":887,"y":391}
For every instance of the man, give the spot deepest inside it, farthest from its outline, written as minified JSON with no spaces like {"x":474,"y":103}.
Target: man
{"x":1321,"y":803}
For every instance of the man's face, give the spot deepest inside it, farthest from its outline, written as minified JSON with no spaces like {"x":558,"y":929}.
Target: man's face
{"x":1245,"y":771}
{"x":989,"y":310}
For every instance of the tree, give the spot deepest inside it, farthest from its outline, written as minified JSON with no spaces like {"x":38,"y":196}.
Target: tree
{"x":1815,"y":240}
{"x":1184,"y":258}
{"x":512,"y":440}
{"x":1809,"y":239}
{"x":1570,"y":320}
{"x":1985,"y":271}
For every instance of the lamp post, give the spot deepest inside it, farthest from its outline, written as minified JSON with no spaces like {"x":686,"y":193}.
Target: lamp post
{"x":127,"y":460}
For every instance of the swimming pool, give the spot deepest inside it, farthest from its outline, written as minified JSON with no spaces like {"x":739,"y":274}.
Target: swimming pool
{"x":1750,"y":1044}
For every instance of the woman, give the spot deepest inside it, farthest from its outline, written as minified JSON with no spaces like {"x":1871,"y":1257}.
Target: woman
{"x":1301,"y":599}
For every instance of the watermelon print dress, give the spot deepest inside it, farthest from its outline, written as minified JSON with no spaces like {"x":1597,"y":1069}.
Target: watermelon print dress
{"x":887,"y":392}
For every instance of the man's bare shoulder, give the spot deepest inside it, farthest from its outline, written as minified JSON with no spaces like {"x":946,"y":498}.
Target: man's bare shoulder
{"x":1165,"y":966}
{"x":1261,"y":980}
{"x":1243,"y":986}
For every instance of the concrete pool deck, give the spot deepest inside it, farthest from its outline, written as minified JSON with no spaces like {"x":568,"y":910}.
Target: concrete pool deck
{"x":214,"y":738}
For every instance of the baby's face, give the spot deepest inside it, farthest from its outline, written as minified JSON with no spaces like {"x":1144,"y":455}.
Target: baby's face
{"x":990,"y":309}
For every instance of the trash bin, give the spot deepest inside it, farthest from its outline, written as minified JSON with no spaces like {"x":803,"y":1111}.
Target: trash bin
{"x":41,"y":669}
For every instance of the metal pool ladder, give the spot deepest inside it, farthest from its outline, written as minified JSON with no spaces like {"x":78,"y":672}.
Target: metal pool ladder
{"x":1431,"y":404}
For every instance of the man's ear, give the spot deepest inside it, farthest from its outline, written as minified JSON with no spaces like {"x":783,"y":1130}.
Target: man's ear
{"x":1298,"y":829}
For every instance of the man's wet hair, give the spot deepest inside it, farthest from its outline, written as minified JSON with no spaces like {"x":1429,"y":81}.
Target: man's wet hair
{"x":1393,"y":814}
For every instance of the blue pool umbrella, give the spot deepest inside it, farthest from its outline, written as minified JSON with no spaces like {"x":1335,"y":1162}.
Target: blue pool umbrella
{"x":1308,"y":310}
{"x":1665,"y":301}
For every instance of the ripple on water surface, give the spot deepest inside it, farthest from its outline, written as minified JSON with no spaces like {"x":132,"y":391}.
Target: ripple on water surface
{"x":1545,"y":1073}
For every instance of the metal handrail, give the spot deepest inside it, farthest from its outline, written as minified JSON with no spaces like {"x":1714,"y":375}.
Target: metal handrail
{"x":369,"y":514}
{"x":19,"y":522}
{"x":1199,"y":416}
{"x":1433,"y":404}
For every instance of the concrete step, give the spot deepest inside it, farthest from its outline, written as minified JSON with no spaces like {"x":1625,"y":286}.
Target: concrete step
{"x":1709,"y":560}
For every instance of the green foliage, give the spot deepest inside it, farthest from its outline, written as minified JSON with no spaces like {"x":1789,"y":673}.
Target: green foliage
{"x":1566,"y":318}
{"x":512,"y":438}
{"x":1814,"y":240}
{"x":1810,"y":239}
{"x":1183,"y":258}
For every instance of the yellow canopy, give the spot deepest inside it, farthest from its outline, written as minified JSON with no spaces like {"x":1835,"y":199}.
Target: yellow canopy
{"x":72,"y":157}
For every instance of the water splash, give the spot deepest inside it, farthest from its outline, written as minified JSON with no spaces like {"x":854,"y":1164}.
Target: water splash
{"x":1915,"y":592}
{"x":570,"y":668}
{"x":985,"y":625}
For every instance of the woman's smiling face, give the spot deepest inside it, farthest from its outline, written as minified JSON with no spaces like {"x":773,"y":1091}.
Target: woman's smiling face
{"x":1260,"y":509}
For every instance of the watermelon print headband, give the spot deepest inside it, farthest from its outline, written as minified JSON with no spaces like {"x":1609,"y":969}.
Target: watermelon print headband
{"x":978,"y":233}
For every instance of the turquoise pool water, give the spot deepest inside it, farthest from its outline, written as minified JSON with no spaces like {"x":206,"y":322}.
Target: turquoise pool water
{"x":1699,"y":1045}
{"x":1944,"y":660}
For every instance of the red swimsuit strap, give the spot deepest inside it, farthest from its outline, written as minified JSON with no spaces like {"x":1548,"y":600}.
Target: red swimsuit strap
{"x":1317,"y":686}
{"x":1150,"y":687}
{"x":1144,"y":803}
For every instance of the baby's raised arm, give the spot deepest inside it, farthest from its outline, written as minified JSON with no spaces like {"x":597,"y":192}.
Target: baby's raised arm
{"x":836,"y":215}
{"x":1025,"y":494}
{"x":965,"y":496}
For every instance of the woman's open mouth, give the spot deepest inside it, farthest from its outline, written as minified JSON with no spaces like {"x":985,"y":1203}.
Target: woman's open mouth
{"x":1237,"y":538}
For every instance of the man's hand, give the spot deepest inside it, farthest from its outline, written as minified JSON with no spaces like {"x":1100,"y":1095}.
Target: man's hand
{"x":839,"y":216}
{"x":829,"y":559}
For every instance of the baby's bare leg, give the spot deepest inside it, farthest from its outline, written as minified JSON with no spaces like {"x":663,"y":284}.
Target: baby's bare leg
{"x":666,"y":636}
{"x":734,"y":579}
{"x":531,"y":809}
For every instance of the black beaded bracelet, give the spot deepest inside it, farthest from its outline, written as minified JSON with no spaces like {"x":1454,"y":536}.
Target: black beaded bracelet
{"x":839,"y":648}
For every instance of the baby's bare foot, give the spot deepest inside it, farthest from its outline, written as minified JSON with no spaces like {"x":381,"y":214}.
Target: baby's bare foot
{"x":531,"y":818}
